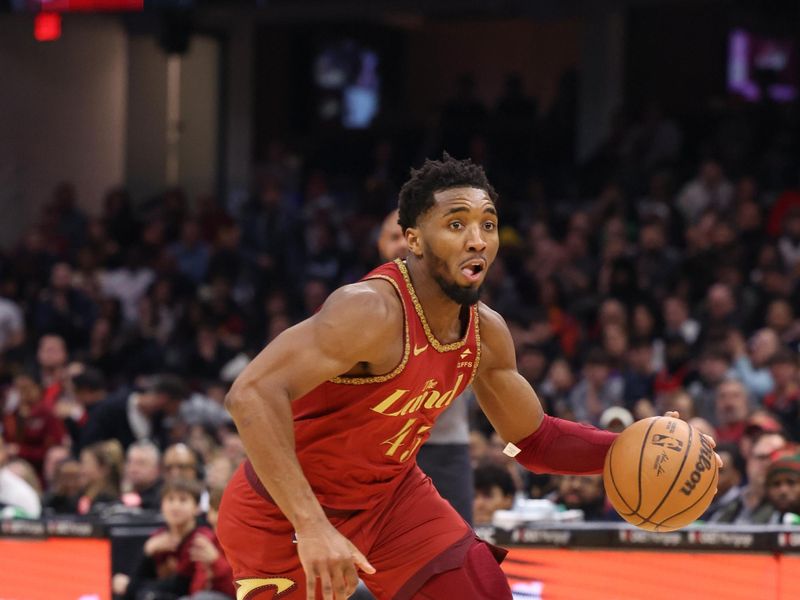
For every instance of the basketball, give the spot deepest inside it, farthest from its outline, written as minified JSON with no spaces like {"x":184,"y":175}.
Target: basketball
{"x":660,"y":474}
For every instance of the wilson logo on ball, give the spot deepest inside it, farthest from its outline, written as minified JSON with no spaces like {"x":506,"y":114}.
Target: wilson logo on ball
{"x":702,"y":465}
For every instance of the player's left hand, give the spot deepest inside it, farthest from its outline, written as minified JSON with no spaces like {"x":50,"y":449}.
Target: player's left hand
{"x":676,"y":415}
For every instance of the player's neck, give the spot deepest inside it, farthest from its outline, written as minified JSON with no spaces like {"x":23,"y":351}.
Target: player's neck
{"x":441,"y":312}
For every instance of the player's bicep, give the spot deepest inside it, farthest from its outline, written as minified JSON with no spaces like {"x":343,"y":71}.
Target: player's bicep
{"x":505,"y":396}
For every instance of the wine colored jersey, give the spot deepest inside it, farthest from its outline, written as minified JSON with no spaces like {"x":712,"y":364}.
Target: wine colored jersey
{"x":357,"y":436}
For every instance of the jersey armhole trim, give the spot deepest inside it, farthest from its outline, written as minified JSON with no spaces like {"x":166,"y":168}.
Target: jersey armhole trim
{"x":406,"y":347}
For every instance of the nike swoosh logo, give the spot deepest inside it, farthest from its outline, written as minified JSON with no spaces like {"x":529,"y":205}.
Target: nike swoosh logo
{"x":418,"y":351}
{"x":246,"y":586}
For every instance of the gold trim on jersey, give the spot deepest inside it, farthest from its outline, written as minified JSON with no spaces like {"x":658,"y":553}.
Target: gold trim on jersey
{"x":437,"y":345}
{"x":406,"y":348}
{"x":477,"y":347}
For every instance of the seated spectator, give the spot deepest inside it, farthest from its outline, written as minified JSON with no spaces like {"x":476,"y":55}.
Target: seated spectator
{"x":101,"y":469}
{"x":208,"y":554}
{"x":494,"y":490}
{"x":29,"y":427}
{"x":586,"y":493}
{"x":175,"y":563}
{"x":598,"y":389}
{"x":783,"y":487}
{"x":54,"y":457}
{"x":17,"y":498}
{"x":784,"y":400}
{"x":732,"y":409}
{"x":23,"y":469}
{"x":731,"y":477}
{"x":616,"y":419}
{"x":181,"y":462}
{"x":750,"y":360}
{"x":714,"y":366}
{"x":751,"y":506}
{"x":142,"y":481}
{"x":85,"y":391}
{"x":65,"y":490}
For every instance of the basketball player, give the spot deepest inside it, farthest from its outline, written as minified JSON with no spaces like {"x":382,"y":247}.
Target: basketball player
{"x":445,"y":455}
{"x":333,"y":412}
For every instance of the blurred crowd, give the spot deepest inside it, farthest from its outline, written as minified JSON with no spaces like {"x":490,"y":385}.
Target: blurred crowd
{"x":662,"y":273}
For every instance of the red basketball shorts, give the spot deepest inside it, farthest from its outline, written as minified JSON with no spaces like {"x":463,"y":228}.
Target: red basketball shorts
{"x":411,"y":539}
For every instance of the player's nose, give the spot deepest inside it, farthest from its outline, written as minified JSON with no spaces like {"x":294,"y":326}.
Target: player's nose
{"x":475,"y":240}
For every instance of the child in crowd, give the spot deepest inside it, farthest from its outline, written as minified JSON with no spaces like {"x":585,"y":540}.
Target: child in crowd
{"x":183,"y":559}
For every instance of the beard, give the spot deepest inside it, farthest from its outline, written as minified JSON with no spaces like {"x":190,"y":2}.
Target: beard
{"x":465,"y":296}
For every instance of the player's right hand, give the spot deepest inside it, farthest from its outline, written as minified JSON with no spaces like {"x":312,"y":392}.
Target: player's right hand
{"x":333,"y":559}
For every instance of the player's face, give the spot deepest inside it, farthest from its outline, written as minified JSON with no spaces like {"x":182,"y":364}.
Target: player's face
{"x":458,"y":240}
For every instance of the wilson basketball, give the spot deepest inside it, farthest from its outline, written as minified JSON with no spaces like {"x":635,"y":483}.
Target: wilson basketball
{"x":660,"y":474}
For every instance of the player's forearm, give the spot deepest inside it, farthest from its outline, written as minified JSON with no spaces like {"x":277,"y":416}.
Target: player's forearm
{"x":264,"y":422}
{"x":563,"y":447}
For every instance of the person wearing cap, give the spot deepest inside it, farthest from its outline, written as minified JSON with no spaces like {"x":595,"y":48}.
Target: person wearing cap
{"x":783,"y":486}
{"x":616,"y":419}
{"x":784,"y":399}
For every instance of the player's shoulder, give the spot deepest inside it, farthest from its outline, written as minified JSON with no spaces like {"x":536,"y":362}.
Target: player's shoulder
{"x":497,"y":345}
{"x":491,"y":321}
{"x":371,"y":302}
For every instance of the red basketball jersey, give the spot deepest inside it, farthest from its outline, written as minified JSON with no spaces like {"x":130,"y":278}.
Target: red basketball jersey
{"x":357,"y":436}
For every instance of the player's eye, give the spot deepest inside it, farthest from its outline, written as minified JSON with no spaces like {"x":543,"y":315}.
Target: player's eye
{"x":490,"y":225}
{"x":455,"y":225}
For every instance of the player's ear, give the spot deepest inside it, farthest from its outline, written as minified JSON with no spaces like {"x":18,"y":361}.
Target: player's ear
{"x":413,"y":241}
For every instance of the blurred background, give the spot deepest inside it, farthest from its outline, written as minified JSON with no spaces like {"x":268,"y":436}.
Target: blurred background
{"x":181,"y":180}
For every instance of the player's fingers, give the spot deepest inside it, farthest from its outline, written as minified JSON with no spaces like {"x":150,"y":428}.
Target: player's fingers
{"x":672,"y":413}
{"x":339,"y":584}
{"x":311,"y":586}
{"x":710,"y":440}
{"x":327,"y":584}
{"x":720,"y":464}
{"x":351,"y":579}
{"x":361,"y":561}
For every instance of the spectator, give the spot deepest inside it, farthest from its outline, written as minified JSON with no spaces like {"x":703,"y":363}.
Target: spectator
{"x":12,"y":325}
{"x":128,"y":417}
{"x":598,"y":389}
{"x":615,"y":418}
{"x":783,"y":487}
{"x":751,"y":506}
{"x":191,"y":253}
{"x":494,"y":490}
{"x":85,"y":392}
{"x":750,"y":363}
{"x":17,"y":498}
{"x":784,"y":400}
{"x":731,"y":409}
{"x":29,"y":427}
{"x":101,"y":476}
{"x":142,"y":481}
{"x":64,"y":492}
{"x":175,"y":564}
{"x":731,"y":478}
{"x":714,"y":366}
{"x":51,"y":360}
{"x":584,"y":492}
{"x":710,"y":190}
{"x":63,"y":309}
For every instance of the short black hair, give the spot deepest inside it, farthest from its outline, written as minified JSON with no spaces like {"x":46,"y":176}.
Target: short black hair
{"x":489,"y":475}
{"x":416,"y":195}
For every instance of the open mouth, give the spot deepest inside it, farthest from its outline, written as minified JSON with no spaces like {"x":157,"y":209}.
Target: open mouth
{"x":473,"y":269}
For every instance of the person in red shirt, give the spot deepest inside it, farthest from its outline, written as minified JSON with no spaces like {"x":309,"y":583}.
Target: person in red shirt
{"x":182,"y":558}
{"x":333,"y":412}
{"x":31,"y":428}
